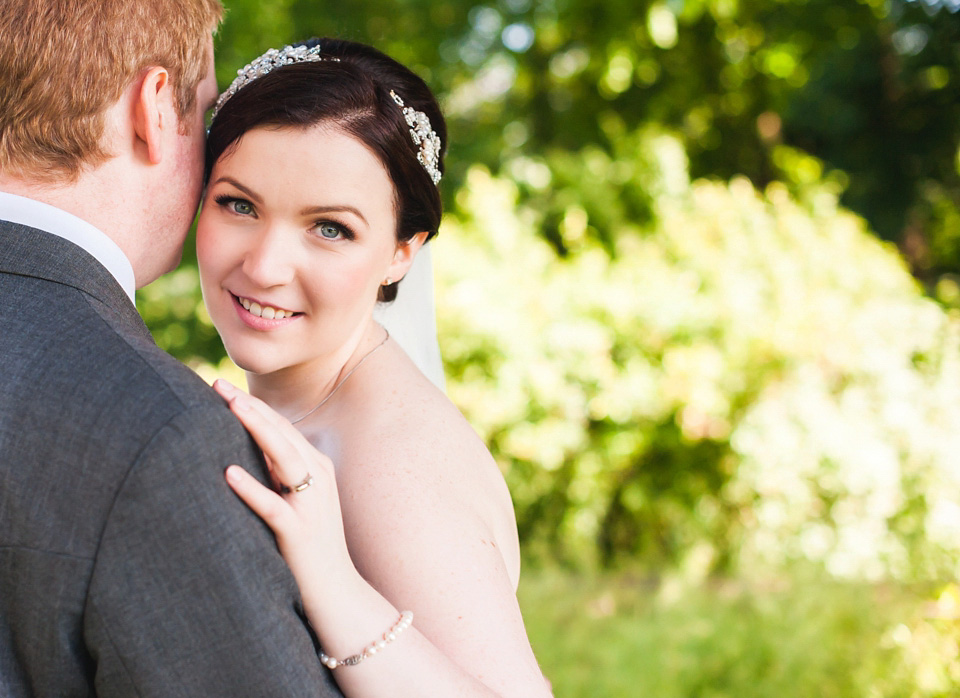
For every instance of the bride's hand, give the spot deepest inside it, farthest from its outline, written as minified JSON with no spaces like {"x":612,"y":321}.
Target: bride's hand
{"x":305,"y":516}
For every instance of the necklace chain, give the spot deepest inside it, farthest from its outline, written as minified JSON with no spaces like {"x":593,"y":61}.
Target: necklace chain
{"x":343,"y":380}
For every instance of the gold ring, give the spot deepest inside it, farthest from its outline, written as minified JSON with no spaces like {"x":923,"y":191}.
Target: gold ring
{"x":301,"y":486}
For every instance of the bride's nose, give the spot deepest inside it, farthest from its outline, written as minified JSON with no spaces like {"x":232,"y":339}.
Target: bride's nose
{"x":270,"y":259}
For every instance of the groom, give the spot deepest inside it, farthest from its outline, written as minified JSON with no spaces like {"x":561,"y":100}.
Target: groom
{"x":127,"y":567}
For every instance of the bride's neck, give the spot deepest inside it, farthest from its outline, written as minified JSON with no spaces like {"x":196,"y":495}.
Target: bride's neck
{"x":295,"y":390}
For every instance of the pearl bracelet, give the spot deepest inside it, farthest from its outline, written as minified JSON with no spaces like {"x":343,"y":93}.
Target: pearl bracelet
{"x":406,"y":620}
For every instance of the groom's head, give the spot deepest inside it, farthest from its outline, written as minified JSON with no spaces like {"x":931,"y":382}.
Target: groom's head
{"x":102,"y":108}
{"x":64,"y":64}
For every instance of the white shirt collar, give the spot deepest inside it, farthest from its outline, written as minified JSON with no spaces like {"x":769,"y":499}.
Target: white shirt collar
{"x":36,"y":214}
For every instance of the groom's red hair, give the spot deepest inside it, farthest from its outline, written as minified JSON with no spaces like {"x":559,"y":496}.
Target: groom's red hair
{"x":64,"y":63}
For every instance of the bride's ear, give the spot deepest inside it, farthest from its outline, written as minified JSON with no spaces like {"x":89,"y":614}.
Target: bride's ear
{"x":404,"y":256}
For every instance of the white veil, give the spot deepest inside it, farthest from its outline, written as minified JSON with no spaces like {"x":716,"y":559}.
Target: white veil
{"x":411,"y":318}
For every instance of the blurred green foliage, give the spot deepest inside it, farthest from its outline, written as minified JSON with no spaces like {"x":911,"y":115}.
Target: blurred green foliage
{"x":682,"y":347}
{"x":751,"y":380}
{"x":602,"y":637}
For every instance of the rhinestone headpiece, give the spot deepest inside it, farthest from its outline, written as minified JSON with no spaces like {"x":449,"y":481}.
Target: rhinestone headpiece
{"x":422,"y":133}
{"x":268,"y":62}
{"x":424,"y":137}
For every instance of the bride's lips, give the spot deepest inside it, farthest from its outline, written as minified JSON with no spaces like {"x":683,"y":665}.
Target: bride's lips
{"x":262,"y":316}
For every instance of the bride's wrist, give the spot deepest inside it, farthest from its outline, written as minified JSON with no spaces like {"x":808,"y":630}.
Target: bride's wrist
{"x":350,"y":616}
{"x":342,"y":586}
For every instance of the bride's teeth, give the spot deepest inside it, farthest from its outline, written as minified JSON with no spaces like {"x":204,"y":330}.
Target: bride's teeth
{"x":264,"y":311}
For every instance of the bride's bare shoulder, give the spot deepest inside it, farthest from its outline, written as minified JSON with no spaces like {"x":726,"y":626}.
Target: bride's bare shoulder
{"x":395,"y":413}
{"x":407,"y":452}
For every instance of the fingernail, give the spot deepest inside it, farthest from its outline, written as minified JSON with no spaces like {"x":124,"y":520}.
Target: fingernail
{"x":225,"y":385}
{"x":234,"y":474}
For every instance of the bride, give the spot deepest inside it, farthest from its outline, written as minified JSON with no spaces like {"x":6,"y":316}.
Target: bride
{"x":323,"y":162}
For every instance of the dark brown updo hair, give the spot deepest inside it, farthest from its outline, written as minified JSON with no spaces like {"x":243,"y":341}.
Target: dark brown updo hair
{"x":351,"y":91}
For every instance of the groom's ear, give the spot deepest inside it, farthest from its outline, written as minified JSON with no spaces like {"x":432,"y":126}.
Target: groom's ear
{"x":405,"y":254}
{"x":152,"y":115}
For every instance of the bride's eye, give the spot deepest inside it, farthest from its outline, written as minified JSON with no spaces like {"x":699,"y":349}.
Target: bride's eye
{"x":235,"y":205}
{"x":332,"y":231}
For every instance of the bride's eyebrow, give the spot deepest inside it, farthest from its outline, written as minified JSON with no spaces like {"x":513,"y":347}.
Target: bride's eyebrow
{"x":234,"y":183}
{"x":317,"y":210}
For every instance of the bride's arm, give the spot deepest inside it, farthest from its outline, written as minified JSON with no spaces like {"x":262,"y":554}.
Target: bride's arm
{"x":423,"y":553}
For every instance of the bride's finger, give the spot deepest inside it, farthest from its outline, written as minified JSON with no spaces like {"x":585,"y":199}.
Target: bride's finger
{"x":264,"y":502}
{"x":271,"y":472}
{"x":291,"y":456}
{"x":236,"y":396}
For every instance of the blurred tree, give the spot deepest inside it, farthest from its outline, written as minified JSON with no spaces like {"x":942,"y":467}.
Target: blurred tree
{"x":871,"y":88}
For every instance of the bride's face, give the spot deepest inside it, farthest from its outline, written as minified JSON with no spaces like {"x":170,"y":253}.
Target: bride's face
{"x":297,"y":232}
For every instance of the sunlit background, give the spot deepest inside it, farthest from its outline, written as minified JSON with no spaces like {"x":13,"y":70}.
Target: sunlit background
{"x":698,"y":291}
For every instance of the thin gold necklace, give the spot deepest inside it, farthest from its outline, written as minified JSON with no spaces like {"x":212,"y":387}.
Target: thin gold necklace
{"x":344,"y":379}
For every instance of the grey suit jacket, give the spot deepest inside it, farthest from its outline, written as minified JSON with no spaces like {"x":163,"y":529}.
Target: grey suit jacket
{"x":127,"y":566}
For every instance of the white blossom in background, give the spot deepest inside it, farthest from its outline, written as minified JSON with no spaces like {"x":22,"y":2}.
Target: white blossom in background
{"x":780,"y":327}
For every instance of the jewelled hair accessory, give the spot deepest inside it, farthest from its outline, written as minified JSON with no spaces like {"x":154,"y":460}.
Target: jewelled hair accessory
{"x":424,"y":137}
{"x":422,"y":133}
{"x":270,"y":61}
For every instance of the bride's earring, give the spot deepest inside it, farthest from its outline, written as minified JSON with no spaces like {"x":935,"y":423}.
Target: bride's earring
{"x":387,"y":281}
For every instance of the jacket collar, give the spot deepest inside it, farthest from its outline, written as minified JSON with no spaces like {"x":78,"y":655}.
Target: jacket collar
{"x":27,"y":251}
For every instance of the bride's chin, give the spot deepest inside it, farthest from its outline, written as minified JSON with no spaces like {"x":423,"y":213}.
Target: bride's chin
{"x":252,"y":364}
